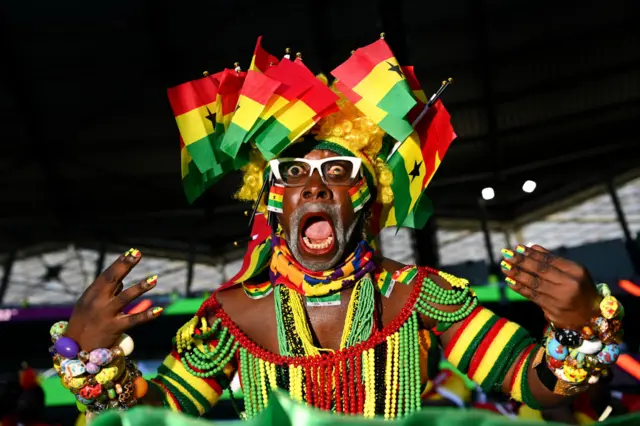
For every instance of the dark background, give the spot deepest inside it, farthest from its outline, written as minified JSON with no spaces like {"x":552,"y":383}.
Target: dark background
{"x":90,"y":152}
{"x":546,"y":90}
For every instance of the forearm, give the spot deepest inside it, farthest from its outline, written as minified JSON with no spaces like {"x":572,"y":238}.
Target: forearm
{"x":183,"y":387}
{"x":523,"y":383}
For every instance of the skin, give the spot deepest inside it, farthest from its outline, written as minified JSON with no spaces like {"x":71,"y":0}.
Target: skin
{"x":563,"y":289}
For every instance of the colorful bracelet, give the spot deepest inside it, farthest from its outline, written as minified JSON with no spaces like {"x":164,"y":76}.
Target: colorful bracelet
{"x":575,"y":359}
{"x":101,"y":379}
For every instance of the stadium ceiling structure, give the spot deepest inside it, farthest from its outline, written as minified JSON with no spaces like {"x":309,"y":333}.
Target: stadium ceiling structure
{"x":543,"y":91}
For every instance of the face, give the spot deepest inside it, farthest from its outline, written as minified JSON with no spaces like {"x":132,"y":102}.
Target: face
{"x":318,"y":220}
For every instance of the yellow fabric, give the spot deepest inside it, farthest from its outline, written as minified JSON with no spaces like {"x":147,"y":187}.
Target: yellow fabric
{"x":379,"y":81}
{"x":494,"y":351}
{"x":468,"y":334}
{"x":247,"y":112}
{"x":194,"y":125}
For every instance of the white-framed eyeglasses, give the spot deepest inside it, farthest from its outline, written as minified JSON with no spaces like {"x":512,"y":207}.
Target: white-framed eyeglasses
{"x":295,"y":172}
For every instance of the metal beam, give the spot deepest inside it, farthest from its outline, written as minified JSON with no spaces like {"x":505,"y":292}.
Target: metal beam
{"x":6,"y":276}
{"x":587,"y":114}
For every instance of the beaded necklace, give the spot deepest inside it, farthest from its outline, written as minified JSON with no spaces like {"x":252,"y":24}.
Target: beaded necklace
{"x":374,"y":372}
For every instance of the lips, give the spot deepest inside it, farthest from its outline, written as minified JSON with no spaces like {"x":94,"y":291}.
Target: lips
{"x":317,"y":236}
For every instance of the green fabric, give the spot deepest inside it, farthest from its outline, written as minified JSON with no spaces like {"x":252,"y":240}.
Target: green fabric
{"x":284,"y":412}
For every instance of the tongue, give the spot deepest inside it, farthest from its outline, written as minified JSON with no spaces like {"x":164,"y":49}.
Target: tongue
{"x":320,"y":230}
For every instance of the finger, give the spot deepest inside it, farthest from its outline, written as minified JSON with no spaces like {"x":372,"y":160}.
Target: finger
{"x":562,"y":264}
{"x":532,"y":294}
{"x":142,"y":306}
{"x":114,"y":274}
{"x":523,"y":278}
{"x":141,"y":318}
{"x":533,"y":262}
{"x":118,"y":289}
{"x":133,"y":292}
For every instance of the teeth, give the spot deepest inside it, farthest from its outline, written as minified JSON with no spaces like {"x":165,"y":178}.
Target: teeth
{"x":318,"y":246}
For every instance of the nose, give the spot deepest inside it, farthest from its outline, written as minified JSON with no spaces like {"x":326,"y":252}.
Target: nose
{"x":316,"y":189}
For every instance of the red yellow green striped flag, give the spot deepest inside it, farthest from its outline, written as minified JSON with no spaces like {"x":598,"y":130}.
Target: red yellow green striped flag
{"x":254,"y":96}
{"x":229,"y":87}
{"x":194,"y":106}
{"x":262,"y":60}
{"x":373,"y":73}
{"x":194,"y":181}
{"x":397,"y":127}
{"x":291,"y":87}
{"x":417,"y":159}
{"x":298,"y":116}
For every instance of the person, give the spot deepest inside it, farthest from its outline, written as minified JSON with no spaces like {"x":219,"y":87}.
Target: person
{"x":315,"y":310}
{"x":22,"y":401}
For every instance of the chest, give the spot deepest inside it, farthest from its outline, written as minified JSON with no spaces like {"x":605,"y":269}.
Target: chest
{"x":326,"y":323}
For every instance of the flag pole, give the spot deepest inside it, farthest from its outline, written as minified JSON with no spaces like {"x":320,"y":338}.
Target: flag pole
{"x":431,"y":101}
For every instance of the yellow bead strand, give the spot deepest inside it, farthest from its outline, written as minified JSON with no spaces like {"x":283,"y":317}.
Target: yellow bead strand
{"x":387,"y":378}
{"x":184,"y":336}
{"x":456,"y":282}
{"x":394,"y":377}
{"x":271,"y":373}
{"x":263,"y":382}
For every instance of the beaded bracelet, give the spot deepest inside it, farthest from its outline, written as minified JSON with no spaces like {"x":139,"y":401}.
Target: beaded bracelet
{"x":101,"y":379}
{"x":575,"y":359}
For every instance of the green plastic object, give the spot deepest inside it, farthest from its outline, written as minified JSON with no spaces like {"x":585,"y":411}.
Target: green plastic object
{"x":282,"y":411}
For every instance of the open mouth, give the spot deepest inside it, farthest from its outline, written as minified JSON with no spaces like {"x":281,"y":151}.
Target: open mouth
{"x":317,"y":236}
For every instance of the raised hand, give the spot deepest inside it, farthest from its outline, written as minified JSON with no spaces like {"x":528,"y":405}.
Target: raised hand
{"x":97,"y":320}
{"x":563,"y":289}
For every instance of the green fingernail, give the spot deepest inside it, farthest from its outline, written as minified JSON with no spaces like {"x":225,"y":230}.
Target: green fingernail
{"x":505,"y":266}
{"x":521,"y":249}
{"x":157,"y":311}
{"x":506,"y":253}
{"x":510,"y":281}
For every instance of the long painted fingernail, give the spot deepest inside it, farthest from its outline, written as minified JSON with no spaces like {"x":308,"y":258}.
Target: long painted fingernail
{"x":510,"y":281}
{"x":152,"y":281}
{"x":157,"y":311}
{"x":506,"y":253}
{"x":504,"y":265}
{"x":521,"y":249}
{"x":133,"y":253}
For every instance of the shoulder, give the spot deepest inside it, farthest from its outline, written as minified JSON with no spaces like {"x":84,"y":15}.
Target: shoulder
{"x":392,"y":267}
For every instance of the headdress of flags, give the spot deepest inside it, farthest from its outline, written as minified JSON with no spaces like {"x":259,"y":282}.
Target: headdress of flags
{"x":225,"y":116}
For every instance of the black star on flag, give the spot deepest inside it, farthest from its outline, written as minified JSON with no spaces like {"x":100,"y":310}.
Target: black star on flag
{"x":395,"y":68}
{"x":416,"y":171}
{"x":211,"y":117}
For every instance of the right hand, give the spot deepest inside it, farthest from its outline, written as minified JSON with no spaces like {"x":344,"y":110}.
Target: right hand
{"x":97,"y":320}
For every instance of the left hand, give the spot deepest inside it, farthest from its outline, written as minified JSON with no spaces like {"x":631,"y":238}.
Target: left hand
{"x":563,"y":289}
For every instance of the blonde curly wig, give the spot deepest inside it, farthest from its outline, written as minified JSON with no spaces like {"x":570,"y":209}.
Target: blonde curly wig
{"x":348,"y":128}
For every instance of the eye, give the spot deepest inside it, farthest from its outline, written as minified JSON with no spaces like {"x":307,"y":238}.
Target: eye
{"x":336,"y":170}
{"x":295,"y":171}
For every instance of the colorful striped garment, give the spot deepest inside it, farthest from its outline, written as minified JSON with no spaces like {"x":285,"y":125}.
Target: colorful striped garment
{"x":387,"y":374}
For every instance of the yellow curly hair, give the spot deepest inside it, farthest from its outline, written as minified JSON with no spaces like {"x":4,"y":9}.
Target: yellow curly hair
{"x":350,"y":129}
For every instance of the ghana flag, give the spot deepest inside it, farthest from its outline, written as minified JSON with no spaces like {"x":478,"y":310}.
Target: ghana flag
{"x":397,"y":127}
{"x":417,"y":91}
{"x":194,"y":181}
{"x":230,"y":84}
{"x":262,"y":60}
{"x":194,"y":106}
{"x":298,"y":116}
{"x":416,"y":160}
{"x":254,"y":95}
{"x":373,"y":73}
{"x":291,"y":87}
